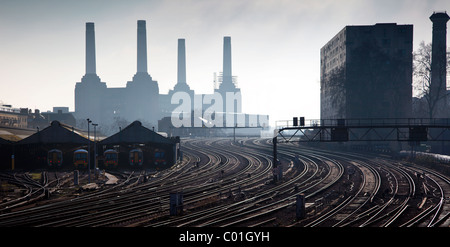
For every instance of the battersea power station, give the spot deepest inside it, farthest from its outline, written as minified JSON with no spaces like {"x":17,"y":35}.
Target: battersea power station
{"x":141,"y":100}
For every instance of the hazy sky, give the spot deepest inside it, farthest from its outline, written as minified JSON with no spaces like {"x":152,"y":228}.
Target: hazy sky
{"x":275,"y":45}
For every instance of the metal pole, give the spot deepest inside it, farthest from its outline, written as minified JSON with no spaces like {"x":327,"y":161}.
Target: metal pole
{"x":89,"y":152}
{"x":13,"y":158}
{"x":275,"y":160}
{"x":95,"y":146}
{"x":234,"y":134}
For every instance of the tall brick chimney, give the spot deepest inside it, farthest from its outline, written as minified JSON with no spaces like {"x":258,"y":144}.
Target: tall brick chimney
{"x":438,"y":88}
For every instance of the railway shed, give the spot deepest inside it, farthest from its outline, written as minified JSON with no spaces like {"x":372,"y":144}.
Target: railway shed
{"x":31,"y":152}
{"x":158,"y":152}
{"x":8,"y":137}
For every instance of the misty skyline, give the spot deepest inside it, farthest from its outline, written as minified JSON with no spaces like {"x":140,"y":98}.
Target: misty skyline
{"x":276,"y":46}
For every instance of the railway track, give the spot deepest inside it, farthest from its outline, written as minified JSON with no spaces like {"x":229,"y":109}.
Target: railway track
{"x":379,"y":207}
{"x":230,"y":184}
{"x":32,"y":190}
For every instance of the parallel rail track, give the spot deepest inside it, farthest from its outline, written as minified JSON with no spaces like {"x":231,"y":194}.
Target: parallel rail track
{"x":230,"y":184}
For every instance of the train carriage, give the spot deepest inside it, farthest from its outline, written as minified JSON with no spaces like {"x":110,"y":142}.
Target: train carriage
{"x":54,"y":158}
{"x":159,"y":157}
{"x":80,"y":158}
{"x":111,"y":158}
{"x":136,"y":157}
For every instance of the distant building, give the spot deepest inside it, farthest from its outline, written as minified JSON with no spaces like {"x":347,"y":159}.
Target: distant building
{"x":24,"y":118}
{"x":60,"y":114}
{"x":141,"y":99}
{"x":366,"y":72}
{"x":13,"y":117}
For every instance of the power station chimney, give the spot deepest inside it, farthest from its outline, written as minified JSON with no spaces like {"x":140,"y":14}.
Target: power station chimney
{"x":181,"y":76}
{"x":90,"y":48}
{"x":438,"y":88}
{"x":142,"y":77}
{"x":181,"y":84}
{"x":227,"y":75}
{"x":231,"y":104}
{"x":141,"y":47}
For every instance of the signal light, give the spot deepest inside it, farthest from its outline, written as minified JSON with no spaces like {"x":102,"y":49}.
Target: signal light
{"x":296,"y":123}
{"x":295,"y":120}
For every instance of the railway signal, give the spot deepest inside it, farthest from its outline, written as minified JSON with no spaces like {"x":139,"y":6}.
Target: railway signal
{"x":76,"y":175}
{"x":176,"y":203}
{"x":300,"y":211}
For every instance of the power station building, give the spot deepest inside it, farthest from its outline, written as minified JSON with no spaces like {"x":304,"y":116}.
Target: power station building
{"x":366,"y":72}
{"x":141,"y":99}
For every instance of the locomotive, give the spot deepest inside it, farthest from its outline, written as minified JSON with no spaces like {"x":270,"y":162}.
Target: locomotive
{"x":136,"y":157}
{"x":54,"y":158}
{"x":159,"y":157}
{"x":80,"y":158}
{"x":111,"y":159}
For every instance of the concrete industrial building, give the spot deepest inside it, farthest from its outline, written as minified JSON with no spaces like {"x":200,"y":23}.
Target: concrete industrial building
{"x":141,"y":99}
{"x":366,"y":72}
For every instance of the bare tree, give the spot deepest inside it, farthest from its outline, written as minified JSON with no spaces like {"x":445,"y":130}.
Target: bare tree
{"x":422,"y":81}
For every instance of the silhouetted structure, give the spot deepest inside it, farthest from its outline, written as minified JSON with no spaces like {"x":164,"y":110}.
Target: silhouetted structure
{"x":366,"y":72}
{"x":140,"y":99}
{"x":228,"y":84}
{"x":90,"y":92}
{"x":438,"y":85}
{"x":31,"y":152}
{"x":181,"y":85}
{"x":60,"y":114}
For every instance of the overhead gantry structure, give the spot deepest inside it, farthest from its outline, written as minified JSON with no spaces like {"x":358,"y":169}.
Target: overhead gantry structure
{"x":411,"y":130}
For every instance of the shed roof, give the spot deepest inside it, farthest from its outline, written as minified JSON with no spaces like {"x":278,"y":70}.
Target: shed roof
{"x":136,"y":133}
{"x":13,"y":134}
{"x":55,"y":133}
